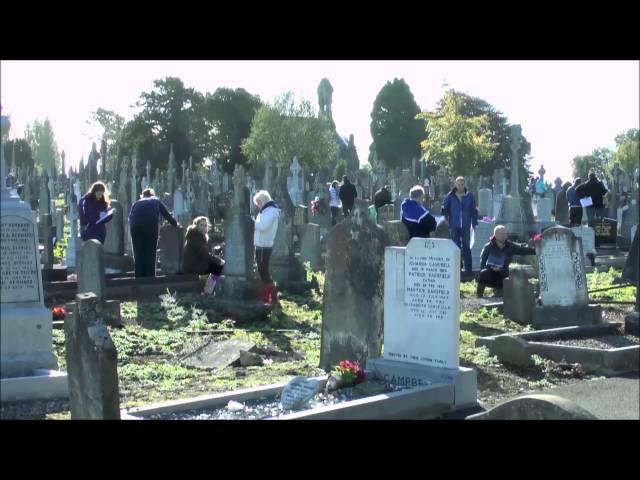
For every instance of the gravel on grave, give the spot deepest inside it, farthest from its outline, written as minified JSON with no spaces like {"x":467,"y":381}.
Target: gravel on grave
{"x":269,"y":407}
{"x":606,"y":342}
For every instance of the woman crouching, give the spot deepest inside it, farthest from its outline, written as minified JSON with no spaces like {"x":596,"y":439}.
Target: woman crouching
{"x":266,"y":226}
{"x":196,"y":257}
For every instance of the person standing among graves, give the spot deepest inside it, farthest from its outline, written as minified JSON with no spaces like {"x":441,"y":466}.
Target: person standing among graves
{"x":540,"y":187}
{"x":348,"y":195}
{"x":382,"y":197}
{"x":415,"y":216}
{"x":461,"y":214}
{"x":575,"y":207}
{"x":595,"y":189}
{"x":334,"y":201}
{"x":495,"y":259}
{"x":93,"y":208}
{"x":266,"y":226}
{"x":144,"y":226}
{"x":196,"y":257}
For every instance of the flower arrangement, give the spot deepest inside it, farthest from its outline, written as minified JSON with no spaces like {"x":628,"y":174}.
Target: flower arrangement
{"x":348,"y":373}
{"x":317,"y":206}
{"x":58,"y":313}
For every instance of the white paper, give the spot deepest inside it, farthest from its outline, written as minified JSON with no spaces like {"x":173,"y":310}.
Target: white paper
{"x":586,"y":202}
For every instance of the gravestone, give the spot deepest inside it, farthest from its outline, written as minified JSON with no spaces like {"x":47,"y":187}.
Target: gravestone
{"x":91,"y":275}
{"x":587,"y":235}
{"x":284,"y":266}
{"x":397,"y":232}
{"x":562,"y":208}
{"x":421,"y":325}
{"x":563,"y":282}
{"x":387,"y":213}
{"x":114,"y":242}
{"x":27,"y":362}
{"x":310,"y":244}
{"x":630,"y":271}
{"x":295,"y":182}
{"x":92,"y":362}
{"x":544,"y":209}
{"x":298,"y":392}
{"x":217,"y":355}
{"x":519,"y":296}
{"x":171,"y":245}
{"x":47,"y":241}
{"x":485,"y":202}
{"x":73,"y":241}
{"x":497,"y":204}
{"x":482,"y":232}
{"x":352,"y":307}
{"x":605,"y":231}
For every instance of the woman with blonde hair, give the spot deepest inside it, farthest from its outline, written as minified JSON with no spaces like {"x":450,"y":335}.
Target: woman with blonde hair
{"x":266,"y":226}
{"x":196,"y":257}
{"x":93,"y":210}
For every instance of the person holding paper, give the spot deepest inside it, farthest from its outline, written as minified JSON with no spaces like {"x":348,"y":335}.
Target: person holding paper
{"x":575,"y":207}
{"x":594,"y":189}
{"x":495,"y":259}
{"x":94,"y":212}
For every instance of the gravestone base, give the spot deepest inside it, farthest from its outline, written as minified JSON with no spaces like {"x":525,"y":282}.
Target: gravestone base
{"x":464,"y":381}
{"x":42,"y":385}
{"x":122,"y":263}
{"x":58,"y":273}
{"x":238,"y":288}
{"x":110,"y":312}
{"x":243,"y":311}
{"x":290,"y":270}
{"x":557,"y":316}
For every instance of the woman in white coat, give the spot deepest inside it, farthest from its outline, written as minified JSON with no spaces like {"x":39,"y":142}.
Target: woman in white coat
{"x":266,"y":226}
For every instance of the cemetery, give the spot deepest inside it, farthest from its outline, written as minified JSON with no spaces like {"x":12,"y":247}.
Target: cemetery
{"x":365,"y":322}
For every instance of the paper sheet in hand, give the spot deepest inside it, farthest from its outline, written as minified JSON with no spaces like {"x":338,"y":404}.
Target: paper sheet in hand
{"x":586,"y":201}
{"x":107,"y":216}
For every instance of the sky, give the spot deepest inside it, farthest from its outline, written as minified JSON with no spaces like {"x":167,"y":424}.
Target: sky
{"x":565,"y":108}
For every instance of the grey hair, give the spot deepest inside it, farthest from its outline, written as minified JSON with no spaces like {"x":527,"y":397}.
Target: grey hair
{"x":498,"y":228}
{"x":262,"y":197}
{"x":416,"y":192}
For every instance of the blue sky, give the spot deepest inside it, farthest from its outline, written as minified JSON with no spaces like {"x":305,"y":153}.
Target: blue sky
{"x":566,"y":108}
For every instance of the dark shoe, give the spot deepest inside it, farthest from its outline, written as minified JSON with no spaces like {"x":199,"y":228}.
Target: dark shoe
{"x":497,"y":292}
{"x":480,"y":290}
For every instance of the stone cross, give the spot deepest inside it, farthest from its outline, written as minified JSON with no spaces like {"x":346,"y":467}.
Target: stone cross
{"x":516,"y":130}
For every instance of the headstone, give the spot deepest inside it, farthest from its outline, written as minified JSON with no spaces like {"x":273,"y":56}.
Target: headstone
{"x":587,"y":235}
{"x":114,"y":242}
{"x":47,"y":240}
{"x":298,"y":392}
{"x":421,"y":303}
{"x":483,"y":231}
{"x":485,"y":202}
{"x":92,"y":362}
{"x":171,"y":245}
{"x":91,"y":274}
{"x":178,"y":202}
{"x":352,"y":311}
{"x":630,"y":271}
{"x":295,"y":182}
{"x":519,"y":296}
{"x":497,"y":204}
{"x":397,"y":232}
{"x":386,"y":213}
{"x":544,"y":209}
{"x":562,"y":207}
{"x":606,"y":232}
{"x":560,"y":265}
{"x":310,"y":244}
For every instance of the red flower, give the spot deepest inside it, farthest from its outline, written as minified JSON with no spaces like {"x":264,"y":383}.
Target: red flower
{"x":58,"y":313}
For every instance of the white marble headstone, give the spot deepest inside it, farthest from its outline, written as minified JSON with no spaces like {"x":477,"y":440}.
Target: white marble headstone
{"x":544,"y":209}
{"x":422,"y":303}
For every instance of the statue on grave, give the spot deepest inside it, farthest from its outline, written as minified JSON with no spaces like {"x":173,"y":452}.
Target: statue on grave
{"x":325,"y":95}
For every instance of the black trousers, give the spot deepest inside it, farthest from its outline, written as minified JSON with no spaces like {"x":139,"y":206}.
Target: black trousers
{"x":490,"y":278}
{"x":575,"y":216}
{"x":346,"y":209}
{"x":334,"y":214}
{"x":144,"y":238}
{"x":263,"y":257}
{"x":215,"y":269}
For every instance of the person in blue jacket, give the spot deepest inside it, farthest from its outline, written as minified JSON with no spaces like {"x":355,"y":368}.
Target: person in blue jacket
{"x":143,"y":224}
{"x":460,"y":212}
{"x":415,"y":216}
{"x":91,"y":208}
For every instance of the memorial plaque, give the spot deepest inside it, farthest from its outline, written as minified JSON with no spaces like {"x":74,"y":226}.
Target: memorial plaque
{"x":298,"y":392}
{"x":19,"y":262}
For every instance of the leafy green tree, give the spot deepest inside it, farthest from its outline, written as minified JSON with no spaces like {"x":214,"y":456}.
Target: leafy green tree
{"x":457,"y":141}
{"x":598,"y":161}
{"x":228,"y":116}
{"x":112,"y":126}
{"x":41,"y":140}
{"x":395,"y":130}
{"x":24,"y":156}
{"x":287,"y":129}
{"x":340,"y":170}
{"x":627,"y":150}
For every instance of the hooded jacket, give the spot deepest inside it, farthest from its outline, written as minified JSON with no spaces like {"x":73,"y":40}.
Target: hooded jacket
{"x":266,"y":225}
{"x":196,"y":257}
{"x":417,"y":218}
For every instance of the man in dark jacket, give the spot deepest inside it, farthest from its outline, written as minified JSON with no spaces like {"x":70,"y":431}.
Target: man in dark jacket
{"x":575,"y":207}
{"x":460,"y":212}
{"x":595,"y":189}
{"x":143,"y":225}
{"x":348,"y":195}
{"x":495,"y":259}
{"x":415,"y":216}
{"x":382,"y":197}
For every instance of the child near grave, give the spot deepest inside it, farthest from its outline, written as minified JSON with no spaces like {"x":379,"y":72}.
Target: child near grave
{"x":94,"y":212}
{"x":495,"y":259}
{"x":196,"y":257}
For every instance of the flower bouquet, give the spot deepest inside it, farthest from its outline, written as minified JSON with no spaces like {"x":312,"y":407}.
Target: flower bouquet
{"x":346,"y":374}
{"x":58,"y":313}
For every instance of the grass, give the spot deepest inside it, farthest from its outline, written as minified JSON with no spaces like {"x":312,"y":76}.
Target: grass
{"x":598,"y":280}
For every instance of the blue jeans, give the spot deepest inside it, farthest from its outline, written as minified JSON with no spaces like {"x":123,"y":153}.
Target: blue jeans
{"x":462,"y":238}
